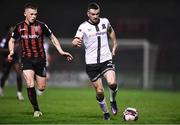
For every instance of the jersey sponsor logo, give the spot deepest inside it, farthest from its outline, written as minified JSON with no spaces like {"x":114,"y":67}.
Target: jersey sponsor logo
{"x":100,"y":33}
{"x":23,"y":29}
{"x":97,"y":34}
{"x":29,"y":36}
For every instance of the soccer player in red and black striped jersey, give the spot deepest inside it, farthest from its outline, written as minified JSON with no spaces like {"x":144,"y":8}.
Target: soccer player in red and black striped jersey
{"x":31,"y":32}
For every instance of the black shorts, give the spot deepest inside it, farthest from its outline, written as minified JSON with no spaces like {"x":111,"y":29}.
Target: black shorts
{"x":38,"y":65}
{"x":95,"y":71}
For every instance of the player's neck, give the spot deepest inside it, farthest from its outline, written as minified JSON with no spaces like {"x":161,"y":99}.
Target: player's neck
{"x":28,"y":23}
{"x":94,"y":23}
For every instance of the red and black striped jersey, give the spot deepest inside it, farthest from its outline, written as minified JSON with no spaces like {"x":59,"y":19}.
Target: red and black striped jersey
{"x":31,"y":38}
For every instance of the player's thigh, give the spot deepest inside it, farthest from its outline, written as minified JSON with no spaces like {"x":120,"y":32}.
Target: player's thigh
{"x":98,"y":85}
{"x":110,"y":76}
{"x":41,"y":82}
{"x":29,"y":77}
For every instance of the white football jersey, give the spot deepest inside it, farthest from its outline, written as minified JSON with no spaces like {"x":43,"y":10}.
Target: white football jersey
{"x":95,"y":40}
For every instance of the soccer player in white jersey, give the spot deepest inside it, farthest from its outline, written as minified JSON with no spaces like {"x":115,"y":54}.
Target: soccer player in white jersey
{"x":94,"y":33}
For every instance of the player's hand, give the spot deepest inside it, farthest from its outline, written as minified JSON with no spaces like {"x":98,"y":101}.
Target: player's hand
{"x":68,"y":56}
{"x":77,"y":42}
{"x":10,"y":56}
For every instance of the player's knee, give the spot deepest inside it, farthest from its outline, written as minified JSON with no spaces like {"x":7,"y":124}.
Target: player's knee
{"x":100,"y":96}
{"x":30,"y":85}
{"x":113,"y":87}
{"x":111,"y":82}
{"x":42,"y":87}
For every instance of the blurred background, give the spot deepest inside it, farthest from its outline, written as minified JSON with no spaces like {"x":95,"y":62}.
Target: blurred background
{"x":148,"y":37}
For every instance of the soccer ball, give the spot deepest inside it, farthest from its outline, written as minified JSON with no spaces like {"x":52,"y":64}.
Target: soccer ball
{"x":130,"y":114}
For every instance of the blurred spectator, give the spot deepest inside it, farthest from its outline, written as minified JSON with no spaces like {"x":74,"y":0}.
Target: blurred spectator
{"x":6,"y":65}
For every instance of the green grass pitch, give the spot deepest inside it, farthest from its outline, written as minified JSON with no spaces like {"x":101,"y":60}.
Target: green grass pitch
{"x":78,"y":106}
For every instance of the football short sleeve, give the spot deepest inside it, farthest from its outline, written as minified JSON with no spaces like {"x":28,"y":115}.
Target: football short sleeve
{"x":15,"y":34}
{"x":79,"y":33}
{"x":109,"y":27}
{"x":47,"y":32}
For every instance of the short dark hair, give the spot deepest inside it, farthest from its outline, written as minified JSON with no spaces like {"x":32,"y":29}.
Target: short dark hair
{"x":93,"y":5}
{"x":30,"y":5}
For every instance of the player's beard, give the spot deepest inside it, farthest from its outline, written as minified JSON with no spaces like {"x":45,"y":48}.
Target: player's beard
{"x":95,"y":21}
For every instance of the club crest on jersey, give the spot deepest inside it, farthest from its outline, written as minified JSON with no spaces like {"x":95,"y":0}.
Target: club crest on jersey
{"x":103,"y":26}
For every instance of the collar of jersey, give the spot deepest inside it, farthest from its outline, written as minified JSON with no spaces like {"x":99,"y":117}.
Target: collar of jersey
{"x":30,"y":23}
{"x":95,"y":24}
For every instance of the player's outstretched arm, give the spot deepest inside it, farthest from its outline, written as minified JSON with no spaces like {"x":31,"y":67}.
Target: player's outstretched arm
{"x":11,"y":49}
{"x":77,"y":42}
{"x":56,"y":43}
